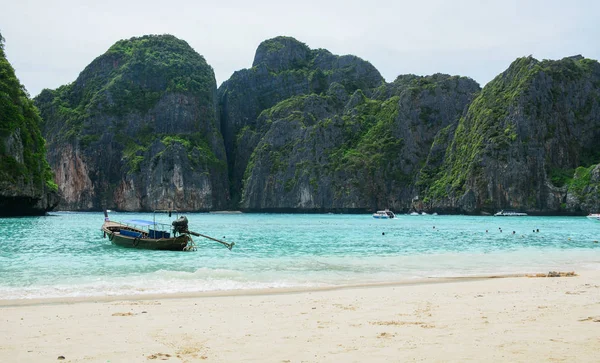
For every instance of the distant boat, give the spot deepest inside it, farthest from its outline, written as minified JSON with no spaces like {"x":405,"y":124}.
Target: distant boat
{"x":509,"y":213}
{"x":594,"y":216}
{"x":415,"y":214}
{"x":384,"y":214}
{"x":150,"y":235}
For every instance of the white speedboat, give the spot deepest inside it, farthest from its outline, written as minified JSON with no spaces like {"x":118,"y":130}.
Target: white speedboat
{"x":509,"y":213}
{"x":594,"y":216}
{"x":384,"y":214}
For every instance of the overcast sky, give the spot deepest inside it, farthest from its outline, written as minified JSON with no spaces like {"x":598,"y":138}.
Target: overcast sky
{"x":50,"y":42}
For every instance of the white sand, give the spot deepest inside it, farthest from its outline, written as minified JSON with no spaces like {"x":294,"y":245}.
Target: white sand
{"x":515,"y":319}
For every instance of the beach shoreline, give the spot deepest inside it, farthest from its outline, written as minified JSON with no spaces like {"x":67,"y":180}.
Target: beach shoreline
{"x":504,"y":318}
{"x":250,"y":292}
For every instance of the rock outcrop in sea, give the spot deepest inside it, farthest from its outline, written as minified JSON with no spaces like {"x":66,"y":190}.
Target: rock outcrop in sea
{"x":138,"y":130}
{"x":26,"y":183}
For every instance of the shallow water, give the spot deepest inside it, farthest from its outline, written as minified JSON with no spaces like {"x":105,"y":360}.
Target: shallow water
{"x":64,"y":254}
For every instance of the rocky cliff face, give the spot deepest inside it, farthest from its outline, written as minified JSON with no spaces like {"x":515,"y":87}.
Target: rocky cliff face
{"x":143,"y":127}
{"x":283,"y":67}
{"x":529,"y":141}
{"x":138,"y":130}
{"x":26,"y":186}
{"x":349,"y":150}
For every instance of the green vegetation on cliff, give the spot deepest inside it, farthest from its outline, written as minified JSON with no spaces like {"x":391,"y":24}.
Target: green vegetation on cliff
{"x":283,"y":68}
{"x":303,"y":128}
{"x":374,"y":147}
{"x":483,"y":127}
{"x":536,"y":121}
{"x":337,"y":148}
{"x":581,"y":184}
{"x":135,"y":117}
{"x":197,"y":149}
{"x":22,"y":148}
{"x":131,"y":77}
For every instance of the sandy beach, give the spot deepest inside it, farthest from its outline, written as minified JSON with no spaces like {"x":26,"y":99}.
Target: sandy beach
{"x":508,"y":319}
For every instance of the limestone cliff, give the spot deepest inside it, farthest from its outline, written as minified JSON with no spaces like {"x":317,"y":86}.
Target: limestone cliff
{"x":26,"y":186}
{"x":143,"y":127}
{"x":283,"y":67}
{"x":529,"y":141}
{"x":350,"y":150}
{"x":138,"y":130}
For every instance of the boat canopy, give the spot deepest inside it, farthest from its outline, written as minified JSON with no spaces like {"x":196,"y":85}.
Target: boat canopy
{"x":140,"y":222}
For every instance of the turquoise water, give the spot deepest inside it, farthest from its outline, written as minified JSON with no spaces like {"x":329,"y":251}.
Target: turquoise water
{"x":64,"y":254}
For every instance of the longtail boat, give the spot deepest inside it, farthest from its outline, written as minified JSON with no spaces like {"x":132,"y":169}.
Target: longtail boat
{"x":150,"y":235}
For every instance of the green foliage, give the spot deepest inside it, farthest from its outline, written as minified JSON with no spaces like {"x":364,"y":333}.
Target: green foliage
{"x":19,"y":119}
{"x":274,"y":45}
{"x":86,"y":140}
{"x":261,"y":149}
{"x":131,"y":77}
{"x":427,"y":114}
{"x":378,"y":146}
{"x":271,"y":51}
{"x":314,"y":183}
{"x":560,"y":177}
{"x":11,"y":170}
{"x":133,"y":154}
{"x":429,"y":174}
{"x":198,"y":150}
{"x":289,"y":185}
{"x":318,"y":81}
{"x":370,"y":151}
{"x":367,"y":148}
{"x":487,"y":129}
{"x":115,"y":99}
{"x":581,"y":185}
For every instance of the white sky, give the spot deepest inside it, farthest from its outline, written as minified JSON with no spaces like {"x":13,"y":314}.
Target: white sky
{"x":50,"y":42}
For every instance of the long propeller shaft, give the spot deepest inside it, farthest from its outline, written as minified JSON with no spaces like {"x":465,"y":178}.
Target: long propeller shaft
{"x":226,"y":244}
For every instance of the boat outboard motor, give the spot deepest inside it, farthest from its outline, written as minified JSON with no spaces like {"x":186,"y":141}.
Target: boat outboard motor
{"x":180,"y":225}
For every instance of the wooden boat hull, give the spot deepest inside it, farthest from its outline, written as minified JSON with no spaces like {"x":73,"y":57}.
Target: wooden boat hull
{"x":114,"y":232}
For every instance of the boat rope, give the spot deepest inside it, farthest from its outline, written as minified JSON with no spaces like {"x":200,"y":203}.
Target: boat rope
{"x":111,"y":236}
{"x":136,"y":241}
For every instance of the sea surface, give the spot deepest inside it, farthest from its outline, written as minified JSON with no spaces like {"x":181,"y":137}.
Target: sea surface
{"x":65,"y":255}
